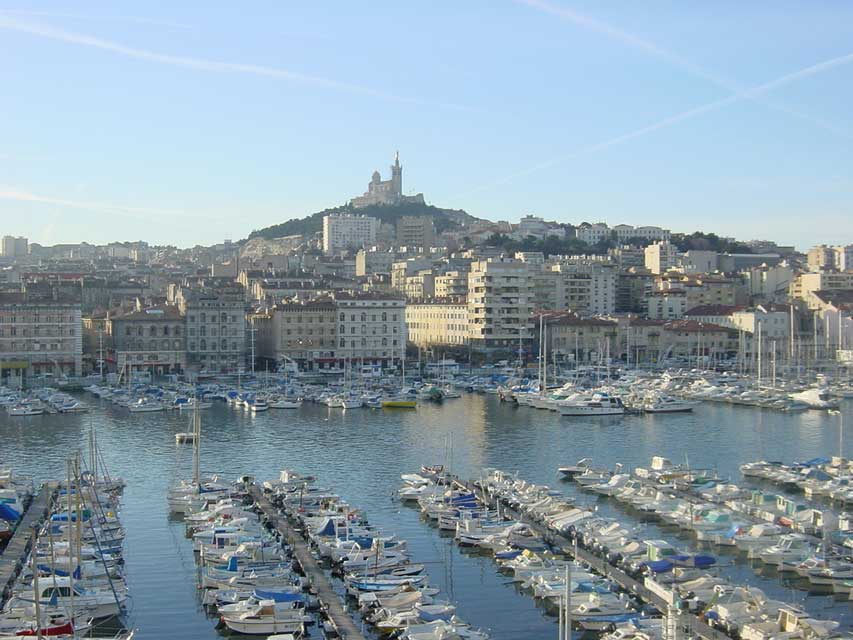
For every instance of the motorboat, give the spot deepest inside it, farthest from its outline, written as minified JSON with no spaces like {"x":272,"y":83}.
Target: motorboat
{"x":601,"y":404}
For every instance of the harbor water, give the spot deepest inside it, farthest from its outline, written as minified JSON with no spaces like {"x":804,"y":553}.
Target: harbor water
{"x":361,"y":454}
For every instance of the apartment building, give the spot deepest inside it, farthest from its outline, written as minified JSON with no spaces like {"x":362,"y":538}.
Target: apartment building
{"x":305,"y":332}
{"x":12,"y":247}
{"x":437,"y":323}
{"x":371,"y":329}
{"x":347,"y":231}
{"x":40,"y":333}
{"x":152,"y":339}
{"x":661,"y":256}
{"x":499,"y":302}
{"x":594,"y":233}
{"x":806,"y":285}
{"x":452,"y":285}
{"x":416,"y":231}
{"x":215,"y":315}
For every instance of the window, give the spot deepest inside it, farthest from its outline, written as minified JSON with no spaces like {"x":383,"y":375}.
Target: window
{"x":343,"y":317}
{"x":127,"y":331}
{"x":343,"y":342}
{"x":384,"y":316}
{"x":203,"y":345}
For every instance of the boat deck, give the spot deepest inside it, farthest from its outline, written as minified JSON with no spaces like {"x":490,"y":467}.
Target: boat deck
{"x":331,"y":602}
{"x":15,"y":553}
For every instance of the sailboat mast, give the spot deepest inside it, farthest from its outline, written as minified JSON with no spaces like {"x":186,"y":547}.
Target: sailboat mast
{"x":36,"y":594}
{"x":197,"y":445}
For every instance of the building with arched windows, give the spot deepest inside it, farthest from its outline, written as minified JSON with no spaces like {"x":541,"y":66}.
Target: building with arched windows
{"x":151,"y":339}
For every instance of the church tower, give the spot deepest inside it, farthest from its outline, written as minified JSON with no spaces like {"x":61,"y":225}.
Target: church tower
{"x":397,"y":176}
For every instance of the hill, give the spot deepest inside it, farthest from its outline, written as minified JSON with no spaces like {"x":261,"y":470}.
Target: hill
{"x":444,"y":219}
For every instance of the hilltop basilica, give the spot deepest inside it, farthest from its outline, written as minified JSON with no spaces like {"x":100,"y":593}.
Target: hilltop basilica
{"x":381,"y":191}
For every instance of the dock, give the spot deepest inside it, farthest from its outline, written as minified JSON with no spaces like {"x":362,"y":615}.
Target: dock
{"x":320,"y":583}
{"x":688,"y":622}
{"x":14,"y":556}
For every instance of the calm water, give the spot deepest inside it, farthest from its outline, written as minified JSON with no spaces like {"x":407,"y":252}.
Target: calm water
{"x":362,"y":453}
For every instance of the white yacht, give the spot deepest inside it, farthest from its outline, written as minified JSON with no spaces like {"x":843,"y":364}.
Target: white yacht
{"x":601,"y":404}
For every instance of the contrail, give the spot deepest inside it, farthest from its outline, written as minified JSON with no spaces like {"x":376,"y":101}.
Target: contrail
{"x":749,"y":93}
{"x":654,"y":49}
{"x":140,"y":213}
{"x":212,"y":66}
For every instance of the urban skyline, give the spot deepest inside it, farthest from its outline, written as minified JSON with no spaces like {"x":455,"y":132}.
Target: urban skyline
{"x":185,"y":127}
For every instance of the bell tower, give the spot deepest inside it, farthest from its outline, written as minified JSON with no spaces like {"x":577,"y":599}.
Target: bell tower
{"x":397,"y":176}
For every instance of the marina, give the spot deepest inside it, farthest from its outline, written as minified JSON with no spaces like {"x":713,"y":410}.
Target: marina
{"x":365,"y":452}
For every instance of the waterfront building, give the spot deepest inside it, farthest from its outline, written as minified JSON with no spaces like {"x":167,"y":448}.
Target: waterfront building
{"x":348,"y":231}
{"x":151,"y":339}
{"x":40,"y":333}
{"x":305,"y":333}
{"x":578,"y":339}
{"x":437,"y":323}
{"x":371,"y":329}
{"x":499,"y":303}
{"x":215,"y":316}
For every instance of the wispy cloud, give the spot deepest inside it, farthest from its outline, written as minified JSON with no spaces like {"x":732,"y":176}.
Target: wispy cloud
{"x":210,"y":66}
{"x":83,"y":17}
{"x":752,"y":92}
{"x":674,"y":59}
{"x":141,"y":213}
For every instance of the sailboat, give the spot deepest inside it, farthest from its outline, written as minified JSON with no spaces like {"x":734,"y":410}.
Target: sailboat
{"x":189,"y":496}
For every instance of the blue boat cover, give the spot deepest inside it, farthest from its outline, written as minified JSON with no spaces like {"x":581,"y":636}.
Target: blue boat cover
{"x":9,"y":513}
{"x":278,"y":596}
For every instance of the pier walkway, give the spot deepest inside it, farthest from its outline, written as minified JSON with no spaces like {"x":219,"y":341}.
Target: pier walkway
{"x":12,"y":560}
{"x":331,"y":602}
{"x":688,"y":622}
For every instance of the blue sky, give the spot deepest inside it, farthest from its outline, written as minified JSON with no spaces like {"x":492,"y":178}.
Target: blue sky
{"x":191,"y":122}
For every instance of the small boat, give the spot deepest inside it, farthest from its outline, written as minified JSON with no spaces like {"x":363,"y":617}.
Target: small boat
{"x":666,"y":404}
{"x":185,"y":437}
{"x":399,"y":403}
{"x":581,"y":466}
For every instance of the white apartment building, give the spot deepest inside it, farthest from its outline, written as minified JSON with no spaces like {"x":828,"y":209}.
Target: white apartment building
{"x":580,"y":287}
{"x":347,"y":231}
{"x":625,"y":232}
{"x":453,"y":284}
{"x":435,"y":324}
{"x":499,"y":302}
{"x":661,"y":257}
{"x":371,"y":329}
{"x":665,"y":305}
{"x":843,"y":257}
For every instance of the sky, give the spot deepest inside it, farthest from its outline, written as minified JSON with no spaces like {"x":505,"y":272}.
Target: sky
{"x":189,"y":123}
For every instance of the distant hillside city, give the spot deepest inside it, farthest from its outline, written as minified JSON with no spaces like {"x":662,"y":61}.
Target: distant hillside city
{"x":387,"y":277}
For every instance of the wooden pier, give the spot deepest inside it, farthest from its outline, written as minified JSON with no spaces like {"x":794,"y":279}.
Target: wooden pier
{"x":688,"y":621}
{"x":14,"y":556}
{"x":320,"y":584}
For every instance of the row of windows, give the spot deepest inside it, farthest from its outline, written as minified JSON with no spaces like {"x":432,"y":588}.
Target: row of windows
{"x":213,"y":317}
{"x":32,"y":346}
{"x":321,"y":331}
{"x":202,"y":331}
{"x":152,"y":331}
{"x":37,"y":331}
{"x":204,"y":344}
{"x":353,"y":344}
{"x":138,"y":345}
{"x":384,"y":329}
{"x":35,"y":319}
{"x":363,"y":316}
